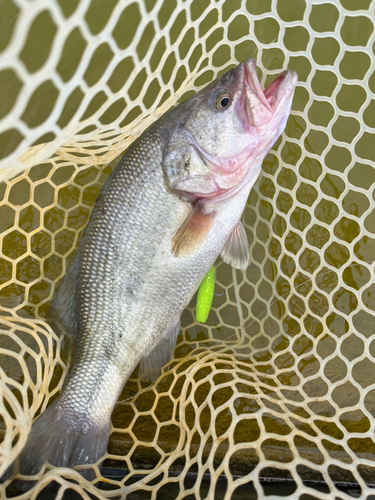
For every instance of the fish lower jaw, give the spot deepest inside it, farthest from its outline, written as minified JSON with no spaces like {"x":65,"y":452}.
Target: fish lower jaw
{"x":250,"y":175}
{"x":223,"y":185}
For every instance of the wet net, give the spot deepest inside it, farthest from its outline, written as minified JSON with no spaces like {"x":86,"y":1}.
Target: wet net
{"x":275,"y":395}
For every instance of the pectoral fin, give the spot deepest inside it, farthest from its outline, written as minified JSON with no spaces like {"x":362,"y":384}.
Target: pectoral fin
{"x":236,"y":249}
{"x":192,"y":232}
{"x":153,"y":362}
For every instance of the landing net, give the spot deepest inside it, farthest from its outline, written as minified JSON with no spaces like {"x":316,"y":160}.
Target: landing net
{"x":278,"y":388}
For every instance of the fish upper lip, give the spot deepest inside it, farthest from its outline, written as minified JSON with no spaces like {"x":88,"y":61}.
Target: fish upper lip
{"x":271,"y":95}
{"x":251,"y":80}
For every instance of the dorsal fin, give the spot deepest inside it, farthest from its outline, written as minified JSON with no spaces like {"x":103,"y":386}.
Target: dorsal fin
{"x":153,"y":362}
{"x":236,"y":249}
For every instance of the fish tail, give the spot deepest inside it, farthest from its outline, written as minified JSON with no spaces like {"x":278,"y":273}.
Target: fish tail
{"x":58,"y":438}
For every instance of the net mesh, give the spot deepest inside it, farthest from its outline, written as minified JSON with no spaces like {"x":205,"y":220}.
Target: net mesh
{"x":280,"y":382}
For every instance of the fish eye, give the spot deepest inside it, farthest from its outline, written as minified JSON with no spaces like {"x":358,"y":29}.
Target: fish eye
{"x":222,"y":101}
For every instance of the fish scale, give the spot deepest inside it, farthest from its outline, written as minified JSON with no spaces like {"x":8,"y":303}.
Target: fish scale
{"x":137,"y":238}
{"x":151,"y":239}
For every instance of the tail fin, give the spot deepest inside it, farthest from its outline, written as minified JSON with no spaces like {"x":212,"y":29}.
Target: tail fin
{"x":62,"y":441}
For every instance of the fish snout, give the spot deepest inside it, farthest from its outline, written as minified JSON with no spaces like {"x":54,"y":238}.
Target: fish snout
{"x":258,"y":110}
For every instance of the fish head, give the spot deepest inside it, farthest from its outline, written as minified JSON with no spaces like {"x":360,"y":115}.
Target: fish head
{"x":220,"y":135}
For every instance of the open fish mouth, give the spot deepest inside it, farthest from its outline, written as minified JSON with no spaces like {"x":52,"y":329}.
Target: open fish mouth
{"x":261,"y":105}
{"x":281,"y":88}
{"x":273,"y":89}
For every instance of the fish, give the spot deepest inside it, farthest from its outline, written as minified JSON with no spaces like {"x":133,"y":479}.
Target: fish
{"x":171,"y":206}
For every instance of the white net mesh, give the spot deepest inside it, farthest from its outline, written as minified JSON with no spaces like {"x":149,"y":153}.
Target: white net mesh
{"x":280,"y":382}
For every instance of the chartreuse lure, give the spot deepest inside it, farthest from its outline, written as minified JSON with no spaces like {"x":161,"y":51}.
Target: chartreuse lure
{"x":205,"y":296}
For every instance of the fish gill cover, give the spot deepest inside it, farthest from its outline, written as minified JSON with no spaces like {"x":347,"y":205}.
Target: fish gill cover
{"x":278,"y":384}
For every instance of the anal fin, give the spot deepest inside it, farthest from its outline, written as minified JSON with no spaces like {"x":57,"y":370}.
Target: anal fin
{"x":153,"y":362}
{"x":61,"y":315}
{"x":192,"y":232}
{"x":236,"y":249}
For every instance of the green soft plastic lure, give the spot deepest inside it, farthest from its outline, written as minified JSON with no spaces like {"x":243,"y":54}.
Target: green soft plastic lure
{"x":205,"y":296}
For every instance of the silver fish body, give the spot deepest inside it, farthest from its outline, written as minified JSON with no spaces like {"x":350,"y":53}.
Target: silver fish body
{"x":159,"y":224}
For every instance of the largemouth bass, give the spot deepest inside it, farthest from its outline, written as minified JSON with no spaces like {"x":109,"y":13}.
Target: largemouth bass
{"x":172,"y":205}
